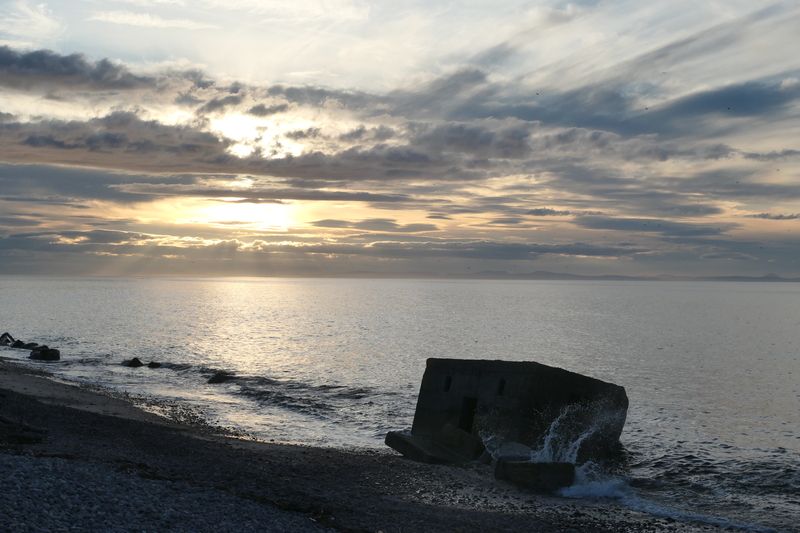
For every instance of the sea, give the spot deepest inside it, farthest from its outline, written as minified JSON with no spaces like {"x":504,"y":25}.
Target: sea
{"x":712,"y":369}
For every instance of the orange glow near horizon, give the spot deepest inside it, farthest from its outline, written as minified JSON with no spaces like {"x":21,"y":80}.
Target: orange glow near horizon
{"x":236,"y":214}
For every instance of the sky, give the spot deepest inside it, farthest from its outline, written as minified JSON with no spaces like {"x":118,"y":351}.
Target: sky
{"x":344,"y":137}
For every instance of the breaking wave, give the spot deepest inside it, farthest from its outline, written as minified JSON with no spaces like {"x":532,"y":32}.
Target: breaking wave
{"x":665,"y":482}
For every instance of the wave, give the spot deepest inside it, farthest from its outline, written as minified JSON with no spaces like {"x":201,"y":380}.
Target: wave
{"x":324,"y":400}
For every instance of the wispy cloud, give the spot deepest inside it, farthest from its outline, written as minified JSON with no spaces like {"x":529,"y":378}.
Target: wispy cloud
{"x":24,"y":23}
{"x":147,"y":20}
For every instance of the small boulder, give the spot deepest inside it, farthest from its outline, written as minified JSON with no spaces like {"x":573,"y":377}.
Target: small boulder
{"x":221,"y":377}
{"x":153,"y":364}
{"x":44,"y":353}
{"x":17,"y":344}
{"x":30,"y":345}
{"x":133,"y":363}
{"x":6,"y":339}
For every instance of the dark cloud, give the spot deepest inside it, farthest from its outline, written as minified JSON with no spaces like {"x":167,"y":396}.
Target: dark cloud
{"x":776,"y":216}
{"x":261,"y":110}
{"x":654,"y":225}
{"x":506,"y":221}
{"x":309,"y":133}
{"x":736,"y":184}
{"x":43,"y":68}
{"x":120,"y":132}
{"x":548,"y":212}
{"x":772,"y":156}
{"x":750,"y":99}
{"x":67,"y":186}
{"x":375,"y":224}
{"x":318,"y":96}
{"x":257,"y":195}
{"x":19,"y":221}
{"x":219,"y":104}
{"x":477,"y":140}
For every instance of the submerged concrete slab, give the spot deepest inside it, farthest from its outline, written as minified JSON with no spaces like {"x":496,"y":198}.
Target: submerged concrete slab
{"x":450,"y":445}
{"x":524,"y":402}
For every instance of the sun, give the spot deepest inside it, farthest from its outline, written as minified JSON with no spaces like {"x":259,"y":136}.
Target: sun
{"x":246,"y":215}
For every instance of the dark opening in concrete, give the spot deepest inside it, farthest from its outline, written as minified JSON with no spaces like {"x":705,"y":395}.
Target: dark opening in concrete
{"x":467,"y":418}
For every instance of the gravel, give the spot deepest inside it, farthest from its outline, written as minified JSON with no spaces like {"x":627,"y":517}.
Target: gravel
{"x":53,"y":494}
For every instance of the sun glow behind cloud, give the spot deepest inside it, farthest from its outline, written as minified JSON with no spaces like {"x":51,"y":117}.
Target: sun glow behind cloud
{"x":237,"y":214}
{"x":253,"y":134}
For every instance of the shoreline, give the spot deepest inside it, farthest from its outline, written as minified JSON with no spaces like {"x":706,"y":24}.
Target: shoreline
{"x":295,"y":487}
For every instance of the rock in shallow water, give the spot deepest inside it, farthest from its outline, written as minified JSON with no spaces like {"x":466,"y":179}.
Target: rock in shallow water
{"x":221,"y":377}
{"x":6,"y":339}
{"x":44,"y":353}
{"x":133,"y":363}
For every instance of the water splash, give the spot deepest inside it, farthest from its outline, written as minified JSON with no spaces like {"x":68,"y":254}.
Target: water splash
{"x":572,"y":428}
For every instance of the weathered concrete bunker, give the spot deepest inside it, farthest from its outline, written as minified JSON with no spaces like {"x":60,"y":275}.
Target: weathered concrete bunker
{"x":513,"y":411}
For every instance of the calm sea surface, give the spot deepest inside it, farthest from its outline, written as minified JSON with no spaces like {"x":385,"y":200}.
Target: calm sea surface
{"x":712,"y":370}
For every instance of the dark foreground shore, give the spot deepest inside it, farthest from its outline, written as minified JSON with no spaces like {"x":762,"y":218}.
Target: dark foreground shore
{"x":75,"y":459}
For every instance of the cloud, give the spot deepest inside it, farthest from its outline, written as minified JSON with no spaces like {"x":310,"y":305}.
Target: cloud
{"x":651,"y":225}
{"x":506,"y":142}
{"x":749,"y":99}
{"x":25,"y":70}
{"x":261,"y":110}
{"x":772,"y":156}
{"x":299,"y":10}
{"x":218,"y":104}
{"x":375,"y":224}
{"x":26,"y":22}
{"x":548,"y":212}
{"x":17,"y":220}
{"x":147,"y":20}
{"x":776,"y":216}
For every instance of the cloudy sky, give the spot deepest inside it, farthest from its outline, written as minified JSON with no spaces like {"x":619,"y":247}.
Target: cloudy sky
{"x":325,"y":137}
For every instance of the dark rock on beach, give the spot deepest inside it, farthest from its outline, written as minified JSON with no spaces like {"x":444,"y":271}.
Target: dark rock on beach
{"x":133,"y":363}
{"x":44,"y":353}
{"x":17,"y":344}
{"x":153,"y":364}
{"x":6,"y":339}
{"x":30,"y":345}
